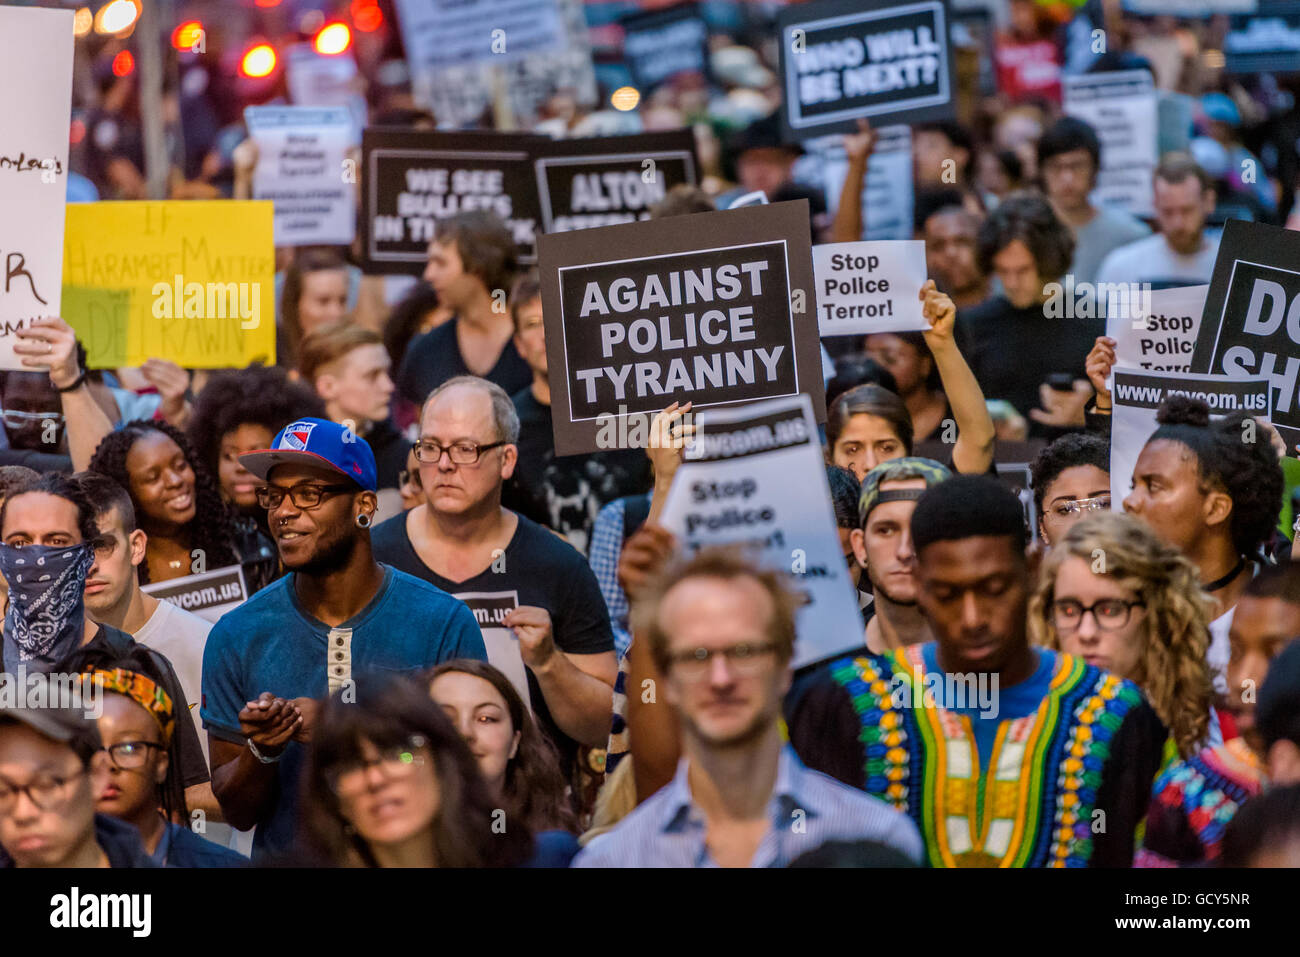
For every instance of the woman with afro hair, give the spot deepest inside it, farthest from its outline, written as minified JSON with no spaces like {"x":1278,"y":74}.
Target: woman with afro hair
{"x":178,"y":506}
{"x":238,"y":411}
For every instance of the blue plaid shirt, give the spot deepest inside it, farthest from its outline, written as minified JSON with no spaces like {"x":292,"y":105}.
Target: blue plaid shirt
{"x":806,"y":809}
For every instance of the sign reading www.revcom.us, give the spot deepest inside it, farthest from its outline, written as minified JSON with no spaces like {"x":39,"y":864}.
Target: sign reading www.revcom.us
{"x":208,"y":595}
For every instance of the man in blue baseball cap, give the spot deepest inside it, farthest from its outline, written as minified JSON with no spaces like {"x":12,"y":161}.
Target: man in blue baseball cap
{"x":336,"y":615}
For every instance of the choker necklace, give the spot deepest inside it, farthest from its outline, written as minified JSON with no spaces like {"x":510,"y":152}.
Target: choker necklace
{"x":1221,"y":582}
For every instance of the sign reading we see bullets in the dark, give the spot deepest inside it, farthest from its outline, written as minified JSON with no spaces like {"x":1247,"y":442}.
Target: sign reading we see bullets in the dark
{"x":841,"y":62}
{"x":643,"y":315}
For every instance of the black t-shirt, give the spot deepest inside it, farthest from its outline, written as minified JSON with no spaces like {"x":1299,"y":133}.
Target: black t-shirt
{"x":391,"y":448}
{"x":434,"y":357}
{"x":567,"y":493}
{"x":1012,"y":351}
{"x":543,"y":571}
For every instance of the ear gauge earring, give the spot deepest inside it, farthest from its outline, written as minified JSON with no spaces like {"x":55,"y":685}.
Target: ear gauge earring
{"x":363,"y":520}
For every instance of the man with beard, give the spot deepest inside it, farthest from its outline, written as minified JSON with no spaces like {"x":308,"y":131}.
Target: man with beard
{"x":722,"y":634}
{"x":337,"y":615}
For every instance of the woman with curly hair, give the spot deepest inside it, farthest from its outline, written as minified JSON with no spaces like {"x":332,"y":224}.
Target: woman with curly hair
{"x":178,"y":506}
{"x":389,"y":783}
{"x":1113,"y":594}
{"x":241,"y":410}
{"x":518,"y":762}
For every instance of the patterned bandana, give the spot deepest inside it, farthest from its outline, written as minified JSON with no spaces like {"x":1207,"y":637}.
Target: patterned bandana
{"x":896,"y":470}
{"x":46,"y":618}
{"x":143,"y":691}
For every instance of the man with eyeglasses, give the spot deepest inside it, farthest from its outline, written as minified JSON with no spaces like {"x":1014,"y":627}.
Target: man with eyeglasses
{"x":51,"y":771}
{"x":464,"y":541}
{"x":1003,"y":753}
{"x":338,"y":614}
{"x":721,"y":631}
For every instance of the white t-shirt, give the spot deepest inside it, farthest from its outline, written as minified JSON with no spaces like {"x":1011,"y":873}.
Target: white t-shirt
{"x":1151,"y":260}
{"x":1220,"y":649}
{"x":180,"y":635}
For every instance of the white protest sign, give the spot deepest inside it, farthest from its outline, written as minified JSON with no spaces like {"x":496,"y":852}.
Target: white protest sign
{"x":208,"y":595}
{"x":316,"y":80}
{"x":1162,"y":337}
{"x":887,"y":194}
{"x":734,"y":488}
{"x":445,"y":33}
{"x":756,"y":198}
{"x":490,"y":610}
{"x":869,"y":287}
{"x":1121,"y":107}
{"x":36,"y":72}
{"x":301,"y":154}
{"x":1137,"y":395}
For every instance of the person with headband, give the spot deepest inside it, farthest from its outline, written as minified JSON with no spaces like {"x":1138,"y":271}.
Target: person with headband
{"x":338,"y":614}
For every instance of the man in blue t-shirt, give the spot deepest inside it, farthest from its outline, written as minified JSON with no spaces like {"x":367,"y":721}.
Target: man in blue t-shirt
{"x":338,"y":614}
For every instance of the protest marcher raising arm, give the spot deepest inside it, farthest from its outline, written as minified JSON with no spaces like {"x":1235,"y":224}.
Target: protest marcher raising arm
{"x":973,"y":452}
{"x":848,"y":226}
{"x":50,"y":344}
{"x":668,"y":434}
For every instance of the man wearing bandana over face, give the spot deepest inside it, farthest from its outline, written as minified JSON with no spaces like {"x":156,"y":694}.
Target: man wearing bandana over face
{"x":48,"y":538}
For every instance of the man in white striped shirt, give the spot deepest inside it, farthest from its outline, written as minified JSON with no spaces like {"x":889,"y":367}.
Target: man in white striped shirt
{"x":722,"y":635}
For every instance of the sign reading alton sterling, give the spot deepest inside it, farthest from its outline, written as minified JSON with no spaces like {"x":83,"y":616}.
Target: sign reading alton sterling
{"x":642,"y":315}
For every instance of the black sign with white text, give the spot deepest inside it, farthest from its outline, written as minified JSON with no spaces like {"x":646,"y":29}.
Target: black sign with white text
{"x":662,"y":44}
{"x":841,"y":62}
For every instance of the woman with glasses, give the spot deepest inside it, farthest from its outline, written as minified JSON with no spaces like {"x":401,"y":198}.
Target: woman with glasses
{"x":409,"y":483}
{"x":1113,"y":594}
{"x":137,"y":726}
{"x":179,"y":507}
{"x":390,"y":783}
{"x":1071,"y":480}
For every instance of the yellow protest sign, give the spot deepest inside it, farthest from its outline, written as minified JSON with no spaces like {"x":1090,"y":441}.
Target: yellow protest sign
{"x":189,"y":281}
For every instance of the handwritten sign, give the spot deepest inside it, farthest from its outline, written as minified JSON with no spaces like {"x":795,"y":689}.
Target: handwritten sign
{"x":36,"y":72}
{"x":189,"y":281}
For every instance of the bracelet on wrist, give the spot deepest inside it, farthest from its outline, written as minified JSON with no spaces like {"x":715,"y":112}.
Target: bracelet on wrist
{"x":75,"y":384}
{"x":262,"y":757}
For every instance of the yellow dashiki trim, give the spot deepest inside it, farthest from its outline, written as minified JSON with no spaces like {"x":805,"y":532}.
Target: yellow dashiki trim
{"x":1032,"y":806}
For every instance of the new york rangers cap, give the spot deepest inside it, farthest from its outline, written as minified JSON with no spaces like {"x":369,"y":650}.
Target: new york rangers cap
{"x":317,"y":442}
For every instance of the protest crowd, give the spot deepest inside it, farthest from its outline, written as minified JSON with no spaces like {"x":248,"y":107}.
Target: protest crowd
{"x":716,"y":434}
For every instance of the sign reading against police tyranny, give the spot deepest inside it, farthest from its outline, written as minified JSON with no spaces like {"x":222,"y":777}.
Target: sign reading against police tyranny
{"x":36,"y":75}
{"x":642,"y":315}
{"x":841,"y":62}
{"x":600,"y":181}
{"x":413,"y":178}
{"x":1251,"y":325}
{"x":734,"y":488}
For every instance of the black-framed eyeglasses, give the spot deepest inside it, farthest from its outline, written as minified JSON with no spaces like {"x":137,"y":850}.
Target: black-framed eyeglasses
{"x":302,"y":496}
{"x":461,"y":452}
{"x":743,"y":658}
{"x":410,"y":477}
{"x":1110,"y":614}
{"x":46,"y":791}
{"x":131,"y":755}
{"x":395,"y":762}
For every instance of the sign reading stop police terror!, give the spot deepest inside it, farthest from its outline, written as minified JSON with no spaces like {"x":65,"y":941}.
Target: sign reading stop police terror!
{"x":1251,"y":324}
{"x":841,"y":62}
{"x":642,"y":315}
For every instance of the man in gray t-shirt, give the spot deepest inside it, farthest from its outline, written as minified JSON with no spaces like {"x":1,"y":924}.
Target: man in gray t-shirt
{"x":1069,"y":156}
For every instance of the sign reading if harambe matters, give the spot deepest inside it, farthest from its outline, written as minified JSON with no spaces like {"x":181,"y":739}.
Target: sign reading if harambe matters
{"x":1251,"y":324}
{"x":734,"y":488}
{"x":841,"y":62}
{"x":642,"y":315}
{"x":36,"y":77}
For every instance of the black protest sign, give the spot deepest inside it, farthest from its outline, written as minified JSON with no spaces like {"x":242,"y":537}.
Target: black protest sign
{"x":662,"y":44}
{"x":1264,"y":40}
{"x":412,"y":178}
{"x":1251,"y":324}
{"x":645,"y":314}
{"x":840,"y":62}
{"x":606,"y":180}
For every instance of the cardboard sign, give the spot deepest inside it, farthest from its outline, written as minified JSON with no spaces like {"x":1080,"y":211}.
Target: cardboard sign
{"x":445,"y":33}
{"x":887,"y":196}
{"x":869,"y":287}
{"x":300,"y":169}
{"x":192,"y":281}
{"x":1137,"y":395}
{"x":209,"y":595}
{"x":601,"y":181}
{"x":840,"y":62}
{"x":1122,"y":108}
{"x":1265,"y":41}
{"x":1251,"y":324}
{"x":1163,"y":338}
{"x":36,"y":75}
{"x":645,"y":314}
{"x":490,"y":610}
{"x":412,"y":178}
{"x":663,"y":44}
{"x":734,"y":488}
